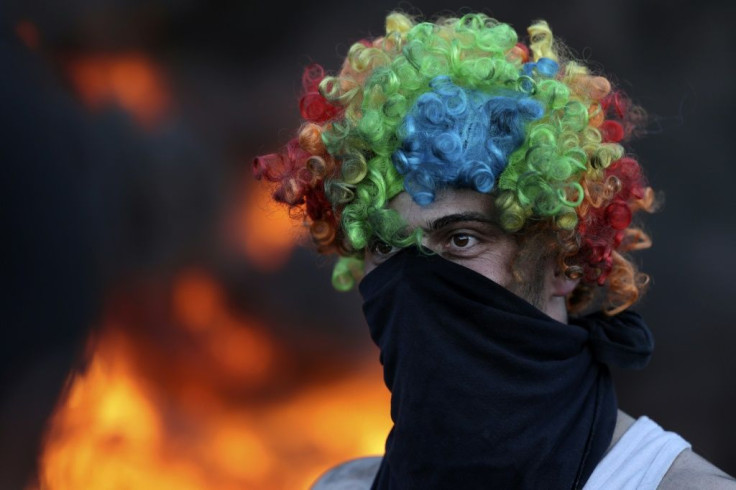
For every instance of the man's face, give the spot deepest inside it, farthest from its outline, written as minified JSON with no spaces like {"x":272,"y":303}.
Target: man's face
{"x":460,"y":226}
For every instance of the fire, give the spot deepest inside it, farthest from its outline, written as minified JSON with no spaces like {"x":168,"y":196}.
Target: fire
{"x":243,"y":352}
{"x":263,"y":229}
{"x":143,"y":415}
{"x":129,"y":80}
{"x":183,"y":391}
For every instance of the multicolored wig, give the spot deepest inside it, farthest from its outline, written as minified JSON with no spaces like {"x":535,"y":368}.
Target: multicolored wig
{"x":462,"y":103}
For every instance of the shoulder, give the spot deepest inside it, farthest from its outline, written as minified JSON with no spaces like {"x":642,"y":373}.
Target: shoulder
{"x":690,"y":470}
{"x":645,"y":456}
{"x":356,"y":474}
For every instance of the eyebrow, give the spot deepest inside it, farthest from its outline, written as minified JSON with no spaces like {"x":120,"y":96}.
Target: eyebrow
{"x":450,"y":219}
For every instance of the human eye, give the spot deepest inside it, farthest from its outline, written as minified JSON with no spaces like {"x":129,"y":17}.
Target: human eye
{"x":460,"y":242}
{"x":379,"y":247}
{"x":378,"y":251}
{"x":463,"y":240}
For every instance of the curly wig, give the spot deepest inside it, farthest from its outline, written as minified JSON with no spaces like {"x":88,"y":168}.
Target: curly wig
{"x":463,"y":102}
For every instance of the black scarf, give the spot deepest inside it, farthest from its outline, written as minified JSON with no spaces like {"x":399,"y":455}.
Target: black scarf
{"x":486,"y":390}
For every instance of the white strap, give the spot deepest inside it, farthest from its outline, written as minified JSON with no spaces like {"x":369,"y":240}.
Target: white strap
{"x":639,"y":460}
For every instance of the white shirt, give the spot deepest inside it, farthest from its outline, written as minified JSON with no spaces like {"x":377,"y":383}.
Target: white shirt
{"x":639,"y":460}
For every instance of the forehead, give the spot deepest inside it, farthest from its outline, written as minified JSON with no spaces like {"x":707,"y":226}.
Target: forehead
{"x":447,"y":202}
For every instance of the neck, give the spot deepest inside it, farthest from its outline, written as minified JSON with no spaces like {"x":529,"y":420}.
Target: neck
{"x":556,"y":308}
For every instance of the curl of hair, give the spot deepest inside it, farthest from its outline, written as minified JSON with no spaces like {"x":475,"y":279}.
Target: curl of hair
{"x":312,"y":104}
{"x":299,"y":171}
{"x":406,"y":112}
{"x":455,"y":137}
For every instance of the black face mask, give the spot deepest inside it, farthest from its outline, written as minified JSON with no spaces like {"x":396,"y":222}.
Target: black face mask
{"x":486,"y":390}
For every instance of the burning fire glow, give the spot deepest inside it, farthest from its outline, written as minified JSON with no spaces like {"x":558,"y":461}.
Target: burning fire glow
{"x":188,"y":410}
{"x":130,"y":80}
{"x":181,"y":391}
{"x":263,"y":229}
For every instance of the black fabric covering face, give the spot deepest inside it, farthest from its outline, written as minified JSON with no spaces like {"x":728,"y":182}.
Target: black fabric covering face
{"x":486,"y":390}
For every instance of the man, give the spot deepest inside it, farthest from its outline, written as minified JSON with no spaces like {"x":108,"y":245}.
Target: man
{"x":479,"y":190}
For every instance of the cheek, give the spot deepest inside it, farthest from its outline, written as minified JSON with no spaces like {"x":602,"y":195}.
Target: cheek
{"x":369,"y":266}
{"x":494,"y":263}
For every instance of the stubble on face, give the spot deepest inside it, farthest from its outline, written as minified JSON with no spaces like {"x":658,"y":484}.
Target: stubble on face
{"x":520,"y":263}
{"x":529,"y":275}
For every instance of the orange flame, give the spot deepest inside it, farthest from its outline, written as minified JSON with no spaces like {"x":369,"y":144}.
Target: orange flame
{"x":121,"y":427}
{"x":130,"y":80}
{"x":243,"y":352}
{"x":263,"y":229}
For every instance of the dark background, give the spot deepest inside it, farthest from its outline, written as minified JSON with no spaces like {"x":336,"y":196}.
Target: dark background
{"x":92,"y":198}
